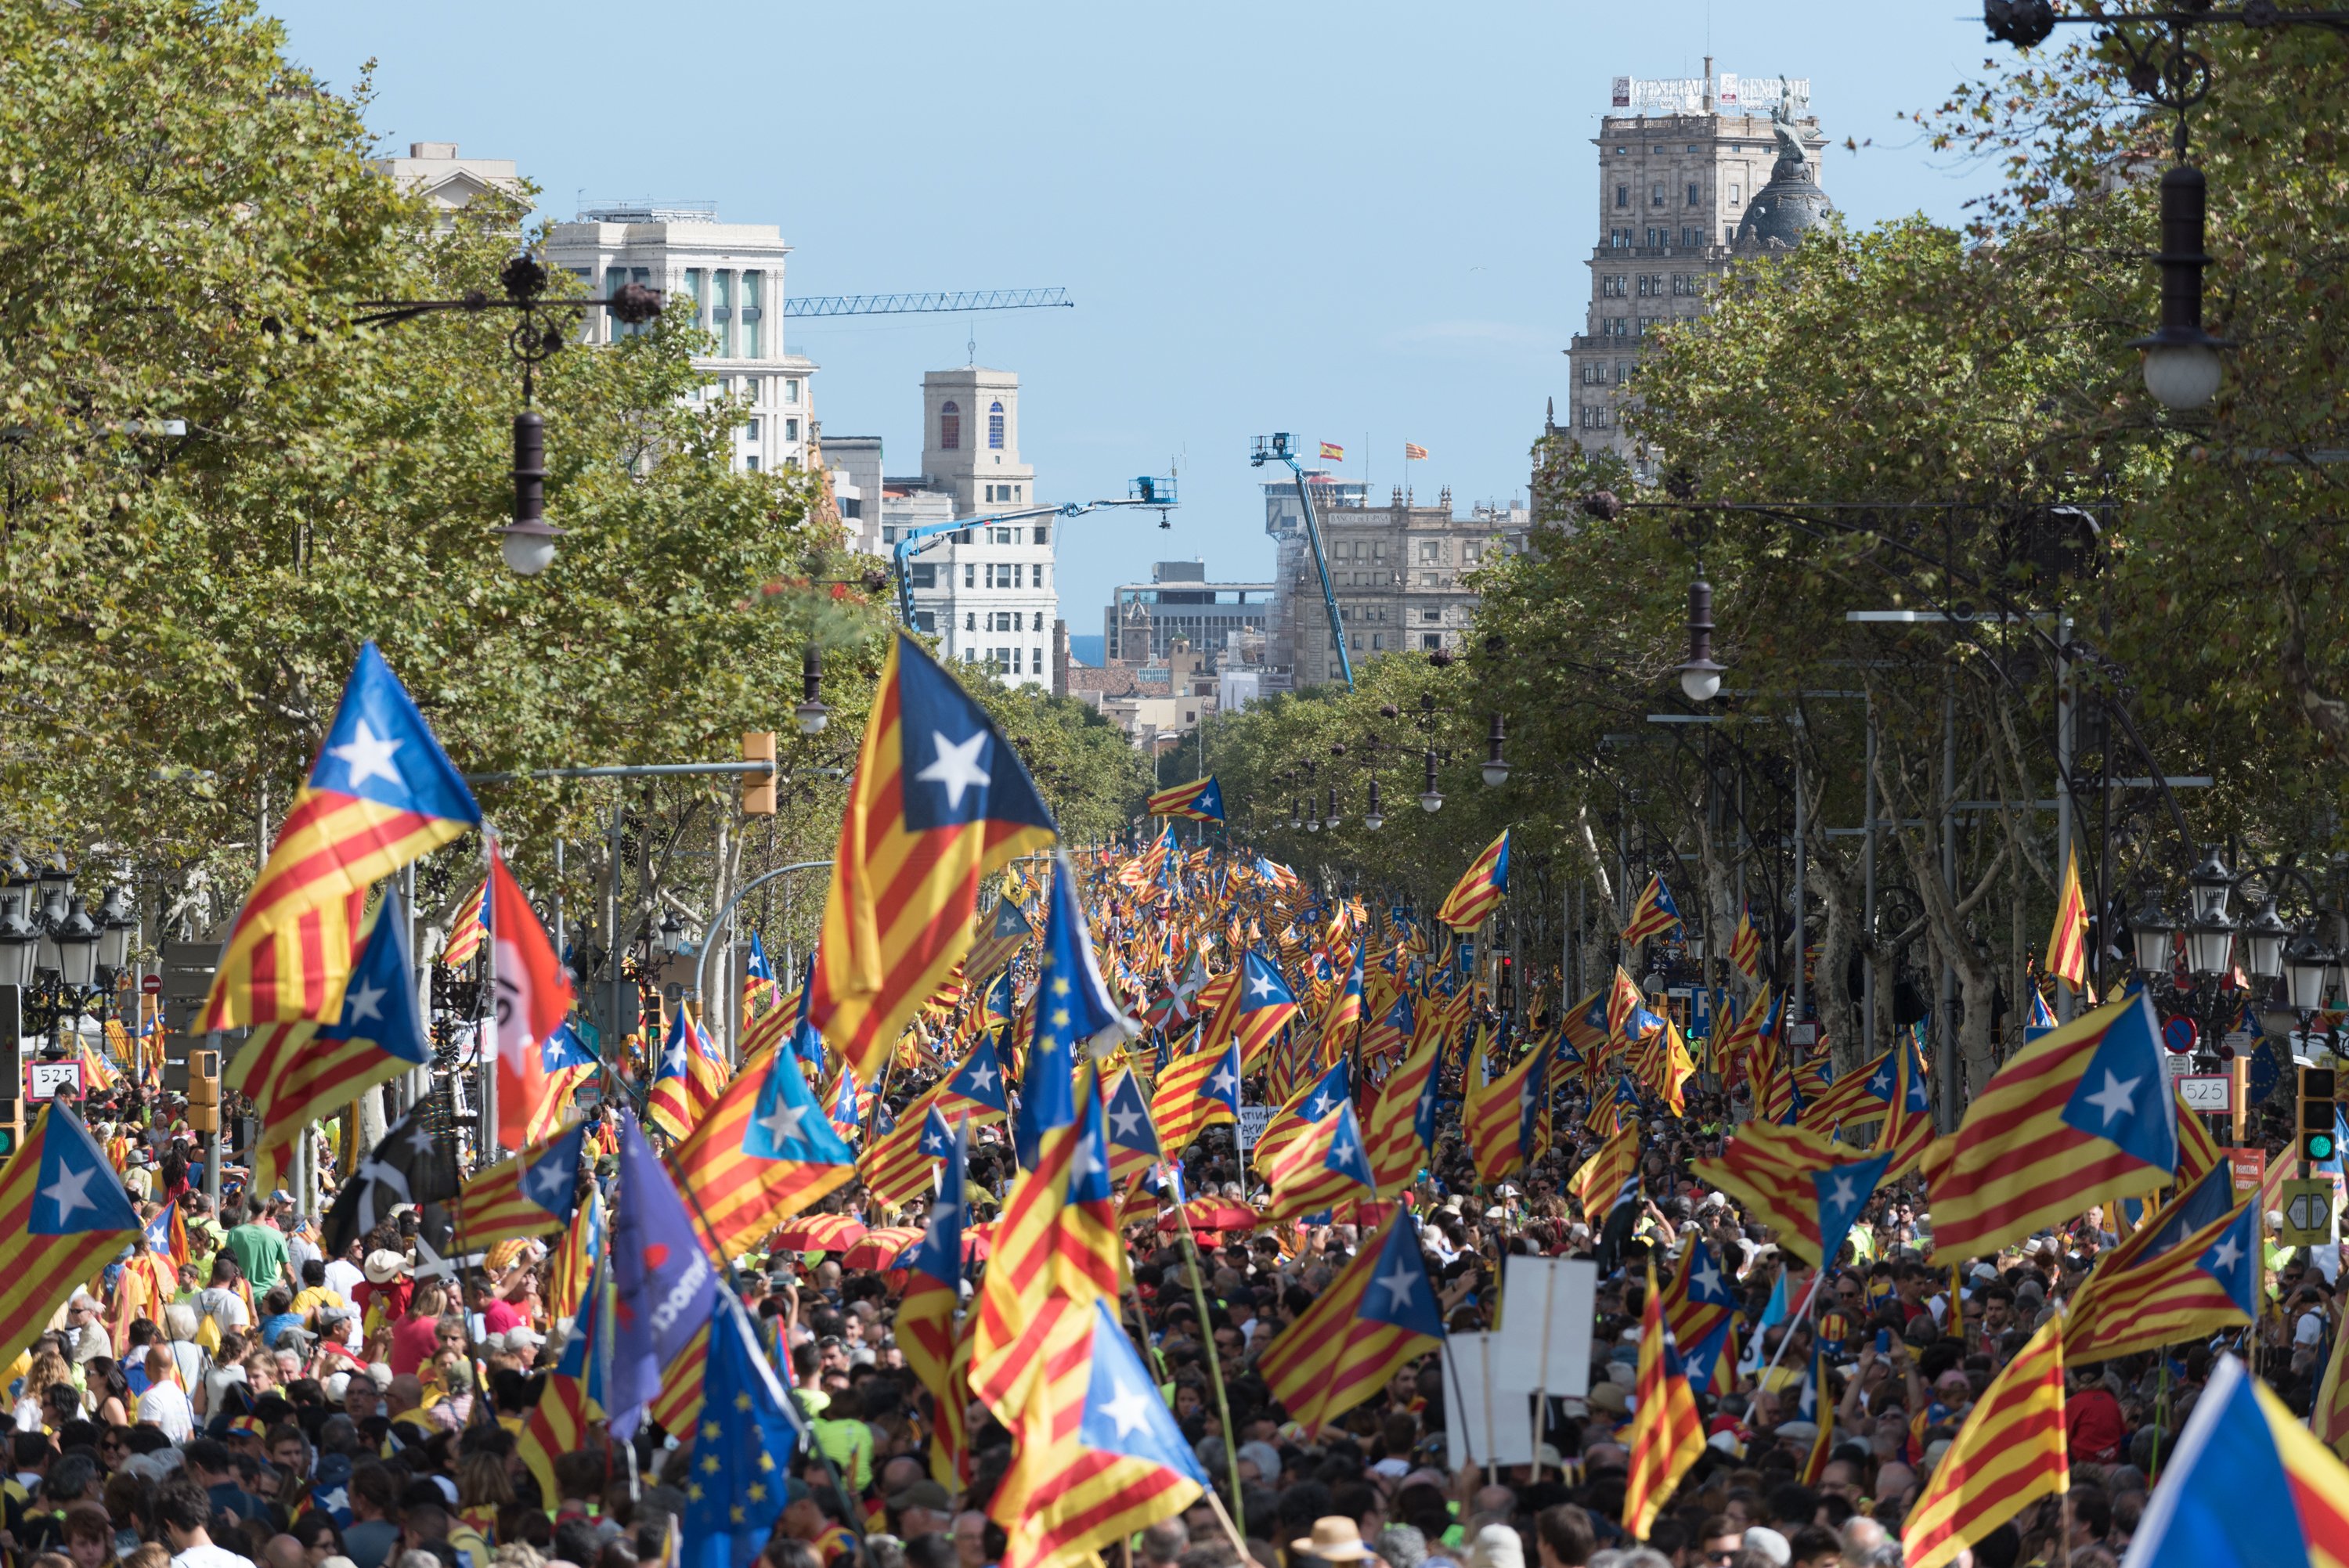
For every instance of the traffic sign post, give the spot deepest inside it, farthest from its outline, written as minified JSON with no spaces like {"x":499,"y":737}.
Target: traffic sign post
{"x":2307,"y":1214}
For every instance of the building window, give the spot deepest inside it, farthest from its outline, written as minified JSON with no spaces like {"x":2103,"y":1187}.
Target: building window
{"x":750,"y":428}
{"x":1728,"y":235}
{"x":1378,"y":643}
{"x":1692,"y":236}
{"x":1430,"y":550}
{"x":1656,"y":194}
{"x":697,"y":289}
{"x":791,"y":429}
{"x":1612,"y":287}
{"x":750,"y":387}
{"x":1658,"y":239}
{"x":1696,"y":193}
{"x":969,"y":575}
{"x":1684,"y":284}
{"x":1736,"y":194}
{"x":949,"y":428}
{"x":971,"y":621}
{"x":722,"y":311}
{"x":1043,"y":533}
{"x":1617,"y":326}
{"x":750,"y":464}
{"x":924,"y":575}
{"x":1431,"y":613}
{"x":889,"y":536}
{"x":926,"y":622}
{"x":1622,"y":196}
{"x":790,"y":389}
{"x":995,"y":427}
{"x":1038,"y":627}
{"x":751,"y":315}
{"x":1431,"y":641}
{"x":1620,"y":238}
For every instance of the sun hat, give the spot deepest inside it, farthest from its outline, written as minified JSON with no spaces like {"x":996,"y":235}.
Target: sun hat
{"x":1335,"y":1539}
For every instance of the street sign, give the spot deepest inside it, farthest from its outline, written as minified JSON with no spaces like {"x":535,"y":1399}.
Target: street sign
{"x":2209,"y":1093}
{"x":2179,"y":1066}
{"x":2248,"y":1168}
{"x":152,"y":985}
{"x":2307,"y":1214}
{"x":2179,"y":1035}
{"x":1803,"y":1034}
{"x":44,"y":1079}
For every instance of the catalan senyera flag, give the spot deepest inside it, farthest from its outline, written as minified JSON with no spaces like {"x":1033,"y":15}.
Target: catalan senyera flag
{"x":1667,"y":1434}
{"x":1653,"y":913}
{"x":1745,"y":946}
{"x":467,"y":927}
{"x":940,"y":799}
{"x":2329,"y":1417}
{"x":1196,"y":1092}
{"x":1610,"y":1176}
{"x":2067,"y":944}
{"x":1321,"y":1167}
{"x":64,"y":1214}
{"x":1200,"y":800}
{"x":1098,"y":1456}
{"x":763,"y":1153}
{"x":573,"y":1260}
{"x":2248,"y":1487}
{"x":2011,"y":1452}
{"x":573,"y":1398}
{"x":297,"y":1071}
{"x":1377,"y":1316}
{"x":1480,"y":889}
{"x":380,"y":794}
{"x":1804,"y":1187}
{"x":1331,"y":452}
{"x":2083,"y":1110}
{"x":527,"y":1194}
{"x":1413,"y":452}
{"x":1401,"y":1132}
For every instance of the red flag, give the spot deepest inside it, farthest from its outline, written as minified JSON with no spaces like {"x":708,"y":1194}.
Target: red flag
{"x":533,"y":998}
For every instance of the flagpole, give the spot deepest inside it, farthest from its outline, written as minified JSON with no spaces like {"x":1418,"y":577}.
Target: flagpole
{"x":1237,"y":1523}
{"x":1818,"y":1277}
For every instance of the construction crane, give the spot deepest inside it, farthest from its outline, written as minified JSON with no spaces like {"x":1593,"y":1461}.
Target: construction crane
{"x":925,"y":304}
{"x":1281,"y":448}
{"x":1145,"y":492}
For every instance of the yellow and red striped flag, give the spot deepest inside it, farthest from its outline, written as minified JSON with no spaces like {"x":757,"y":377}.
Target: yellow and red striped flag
{"x":1609,"y":1174}
{"x":1331,"y":452}
{"x":762,"y":1154}
{"x":927,"y":1330}
{"x":381,"y":793}
{"x":940,"y":800}
{"x":1745,"y":946}
{"x":1653,"y":913}
{"x":901,"y":1165}
{"x":2011,"y":1452}
{"x":2067,"y":944}
{"x":1401,"y":1132}
{"x":527,"y":1194}
{"x":1197,"y":1091}
{"x":2329,"y":1418}
{"x":1667,"y":1434}
{"x":1413,"y":452}
{"x":1378,"y":1316}
{"x":1480,"y":889}
{"x":571,"y":1399}
{"x":468,"y":926}
{"x":64,"y":1214}
{"x":1321,"y":1167}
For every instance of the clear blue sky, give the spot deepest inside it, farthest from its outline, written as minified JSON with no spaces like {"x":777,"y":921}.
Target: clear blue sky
{"x":1363,"y":222}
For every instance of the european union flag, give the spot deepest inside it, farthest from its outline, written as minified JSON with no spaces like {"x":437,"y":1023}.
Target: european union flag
{"x":736,"y":1490}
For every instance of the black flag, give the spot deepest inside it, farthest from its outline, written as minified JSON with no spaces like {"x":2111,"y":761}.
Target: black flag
{"x":415,"y":1163}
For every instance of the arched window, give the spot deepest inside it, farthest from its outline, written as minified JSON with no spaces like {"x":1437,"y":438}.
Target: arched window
{"x":995,"y":427}
{"x":949,"y":428}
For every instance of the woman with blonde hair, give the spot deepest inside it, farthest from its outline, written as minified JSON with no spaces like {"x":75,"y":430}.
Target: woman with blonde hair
{"x":48,"y":1370}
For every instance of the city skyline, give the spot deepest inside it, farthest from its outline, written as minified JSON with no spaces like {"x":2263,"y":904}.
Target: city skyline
{"x":1261,"y":241}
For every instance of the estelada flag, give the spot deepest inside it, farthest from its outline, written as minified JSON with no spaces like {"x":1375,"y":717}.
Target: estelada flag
{"x":940,"y":800}
{"x":1654,"y":914}
{"x":1200,"y":800}
{"x":1796,"y":1182}
{"x":533,"y":998}
{"x":64,"y":1214}
{"x":380,"y":794}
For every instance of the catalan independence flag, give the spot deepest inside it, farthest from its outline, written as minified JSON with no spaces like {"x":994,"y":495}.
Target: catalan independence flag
{"x":762,"y":1154}
{"x":940,"y":799}
{"x":1479,"y":890}
{"x":1001,"y":934}
{"x":2010,"y":1453}
{"x":1667,"y":1433}
{"x":2203,"y":1283}
{"x":573,"y":1396}
{"x":1791,"y":1179}
{"x":1653,"y":913}
{"x":527,"y":1194}
{"x":1377,"y":1316}
{"x":1322,"y":1167}
{"x":1264,"y":1007}
{"x":1098,"y":1456}
{"x":1196,"y":1092}
{"x":1200,"y":800}
{"x":298,"y":1070}
{"x":2083,"y":1110}
{"x":380,"y":794}
{"x":1401,"y":1132}
{"x":1702,"y":1314}
{"x":926,"y":1328}
{"x":64,"y":1214}
{"x":2249,"y":1487}
{"x":2067,"y":943}
{"x":688,"y":1079}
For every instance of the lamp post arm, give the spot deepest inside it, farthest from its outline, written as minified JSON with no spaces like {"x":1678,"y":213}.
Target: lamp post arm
{"x":718,"y":923}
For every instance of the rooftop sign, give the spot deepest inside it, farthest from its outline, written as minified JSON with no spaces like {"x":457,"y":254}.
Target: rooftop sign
{"x":1732,"y":94}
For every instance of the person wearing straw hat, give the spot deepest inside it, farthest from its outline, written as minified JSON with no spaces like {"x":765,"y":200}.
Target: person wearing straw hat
{"x":1335,"y":1539}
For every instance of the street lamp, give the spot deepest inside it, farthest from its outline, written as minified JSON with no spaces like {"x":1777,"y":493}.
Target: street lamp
{"x":2307,"y":967}
{"x":1497,"y":766}
{"x":1296,"y":812}
{"x":76,"y":939}
{"x":1371,"y":818}
{"x":2151,"y":932}
{"x":1700,"y":677}
{"x":2211,"y":882}
{"x":812,"y":713}
{"x":670,"y":940}
{"x":2264,"y":936}
{"x":115,"y":925}
{"x":1430,"y":800}
{"x":1330,"y":816}
{"x":20,"y":934}
{"x":2181,"y":360}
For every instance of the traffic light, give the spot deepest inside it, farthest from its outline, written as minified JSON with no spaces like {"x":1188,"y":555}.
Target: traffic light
{"x":759,"y":789}
{"x":203,"y":1090}
{"x":2317,"y":1116}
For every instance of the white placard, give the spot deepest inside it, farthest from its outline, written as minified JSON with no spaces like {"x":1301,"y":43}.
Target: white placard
{"x":1484,"y":1423}
{"x":1547,"y":1306}
{"x":43,"y":1079}
{"x":2209,"y":1093}
{"x":1253,"y":1120}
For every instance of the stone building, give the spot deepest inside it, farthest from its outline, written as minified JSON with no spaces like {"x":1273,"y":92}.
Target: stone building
{"x":448,"y":182}
{"x":1705,"y":172}
{"x":1143,"y":619}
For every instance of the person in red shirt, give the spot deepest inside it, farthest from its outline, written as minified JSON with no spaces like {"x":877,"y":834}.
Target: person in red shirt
{"x":415,"y":1336}
{"x":2093,"y":1428}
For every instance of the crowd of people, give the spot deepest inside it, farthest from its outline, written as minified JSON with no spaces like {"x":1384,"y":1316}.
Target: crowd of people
{"x":267,"y":1400}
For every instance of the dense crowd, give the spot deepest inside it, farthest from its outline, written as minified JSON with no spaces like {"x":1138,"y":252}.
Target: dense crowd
{"x":268,"y":1401}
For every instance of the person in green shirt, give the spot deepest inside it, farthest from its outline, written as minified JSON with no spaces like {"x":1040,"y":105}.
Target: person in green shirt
{"x":259,"y":1250}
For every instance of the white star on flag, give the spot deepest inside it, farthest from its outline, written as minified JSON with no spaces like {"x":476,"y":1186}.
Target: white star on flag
{"x":2118,"y":1097}
{"x":366,"y":755}
{"x":782,"y":1123}
{"x":957,"y":767}
{"x":365,"y":1003}
{"x":71,"y":1191}
{"x":1401,"y":1285}
{"x":1130,"y":1409}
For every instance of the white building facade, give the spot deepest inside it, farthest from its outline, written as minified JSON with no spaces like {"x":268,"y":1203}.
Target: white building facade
{"x":733,"y":275}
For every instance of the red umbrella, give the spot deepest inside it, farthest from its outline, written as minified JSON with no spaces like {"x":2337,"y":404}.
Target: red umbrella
{"x":817,"y":1234}
{"x":880,"y":1249}
{"x":1211,"y":1214}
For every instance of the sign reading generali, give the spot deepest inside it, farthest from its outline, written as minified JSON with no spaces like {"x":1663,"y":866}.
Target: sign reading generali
{"x":1731,"y":93}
